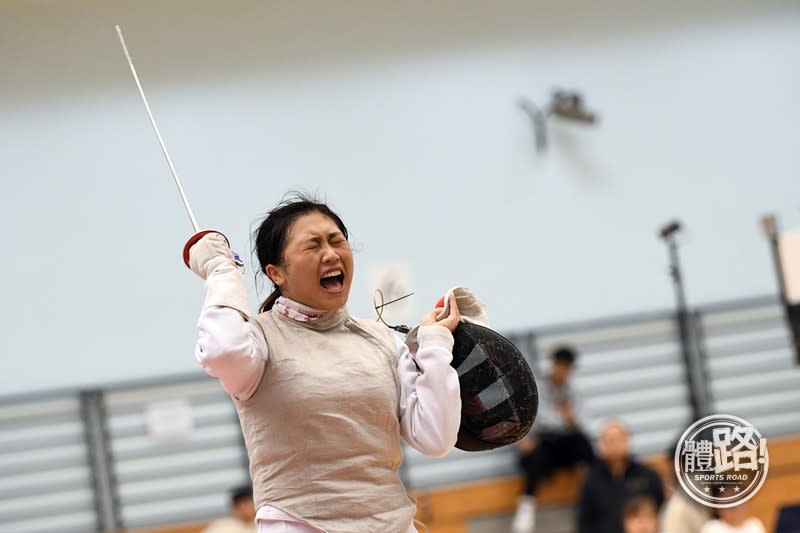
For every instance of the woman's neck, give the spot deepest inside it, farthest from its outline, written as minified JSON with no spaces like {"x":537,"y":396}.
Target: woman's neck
{"x":298,"y":311}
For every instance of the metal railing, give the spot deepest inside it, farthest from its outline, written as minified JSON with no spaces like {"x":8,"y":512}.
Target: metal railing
{"x":87,"y":460}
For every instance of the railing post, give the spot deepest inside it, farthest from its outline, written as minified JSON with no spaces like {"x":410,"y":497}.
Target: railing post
{"x":104,"y":486}
{"x":699,"y":366}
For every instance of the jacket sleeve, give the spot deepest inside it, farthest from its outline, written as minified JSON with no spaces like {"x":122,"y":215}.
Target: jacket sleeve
{"x":586,"y":507}
{"x":232,"y":349}
{"x":430,"y":396}
{"x":658,"y":488}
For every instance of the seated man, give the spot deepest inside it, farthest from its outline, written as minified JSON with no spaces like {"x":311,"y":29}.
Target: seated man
{"x":243,"y":514}
{"x":612,"y":481}
{"x":557,"y":439}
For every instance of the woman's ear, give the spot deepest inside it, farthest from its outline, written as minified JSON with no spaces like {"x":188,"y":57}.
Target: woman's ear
{"x":275,"y":274}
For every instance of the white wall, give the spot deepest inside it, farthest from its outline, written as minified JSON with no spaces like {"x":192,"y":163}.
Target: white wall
{"x":404,"y":117}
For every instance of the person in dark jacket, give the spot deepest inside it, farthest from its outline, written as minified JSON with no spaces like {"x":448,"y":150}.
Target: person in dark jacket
{"x":612,"y":481}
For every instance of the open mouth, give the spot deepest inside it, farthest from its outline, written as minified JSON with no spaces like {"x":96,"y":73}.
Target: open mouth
{"x":333,"y":281}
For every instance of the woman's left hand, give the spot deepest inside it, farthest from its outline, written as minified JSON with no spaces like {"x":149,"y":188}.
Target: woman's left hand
{"x":435,"y":318}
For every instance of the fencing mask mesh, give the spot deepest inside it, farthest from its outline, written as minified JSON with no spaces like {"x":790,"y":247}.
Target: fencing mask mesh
{"x":499,"y":398}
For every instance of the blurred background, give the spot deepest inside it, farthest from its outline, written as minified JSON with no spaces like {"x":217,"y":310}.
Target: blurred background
{"x":414,"y":121}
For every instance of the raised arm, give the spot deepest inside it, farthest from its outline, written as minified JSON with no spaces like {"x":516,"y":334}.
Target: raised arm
{"x":229,"y":345}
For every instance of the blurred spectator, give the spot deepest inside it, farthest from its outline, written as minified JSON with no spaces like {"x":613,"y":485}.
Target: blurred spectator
{"x":788,"y":519}
{"x":640,"y":515}
{"x":734,"y":520}
{"x":612,"y":481}
{"x":682,"y":514}
{"x":557,"y":439}
{"x":243,"y":514}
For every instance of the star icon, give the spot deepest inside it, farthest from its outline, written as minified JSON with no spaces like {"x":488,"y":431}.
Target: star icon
{"x":735,"y":489}
{"x":722,"y":489}
{"x":708,"y":489}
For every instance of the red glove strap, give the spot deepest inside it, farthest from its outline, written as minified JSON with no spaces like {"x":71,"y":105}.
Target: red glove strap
{"x":193,"y":239}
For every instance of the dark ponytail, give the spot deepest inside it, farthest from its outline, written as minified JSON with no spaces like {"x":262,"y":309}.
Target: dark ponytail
{"x":267,"y":304}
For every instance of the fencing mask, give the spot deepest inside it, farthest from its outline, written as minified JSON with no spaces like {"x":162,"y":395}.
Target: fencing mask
{"x":499,"y":398}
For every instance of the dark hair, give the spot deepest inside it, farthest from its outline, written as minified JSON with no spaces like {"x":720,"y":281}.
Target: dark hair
{"x":564,"y":354}
{"x":243,"y":492}
{"x":269,"y":240}
{"x":636,"y":504}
